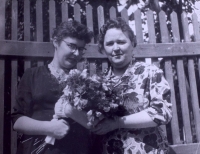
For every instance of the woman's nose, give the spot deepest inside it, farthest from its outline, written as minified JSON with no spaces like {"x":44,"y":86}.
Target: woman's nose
{"x":76,"y":52}
{"x":115,"y":47}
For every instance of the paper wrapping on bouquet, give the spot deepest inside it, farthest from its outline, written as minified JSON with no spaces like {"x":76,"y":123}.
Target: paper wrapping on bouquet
{"x":49,"y":139}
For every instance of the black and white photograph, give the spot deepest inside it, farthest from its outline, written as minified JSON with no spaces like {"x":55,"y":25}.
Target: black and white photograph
{"x":100,"y":77}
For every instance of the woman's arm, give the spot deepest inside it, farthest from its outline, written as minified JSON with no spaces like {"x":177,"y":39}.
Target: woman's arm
{"x":55,"y":128}
{"x":77,"y":115}
{"x":64,"y":109}
{"x":159,"y":111}
{"x":137,"y":120}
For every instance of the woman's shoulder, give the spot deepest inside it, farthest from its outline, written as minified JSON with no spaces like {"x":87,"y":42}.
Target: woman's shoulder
{"x":35,"y":71}
{"x":140,"y":68}
{"x":145,"y":65}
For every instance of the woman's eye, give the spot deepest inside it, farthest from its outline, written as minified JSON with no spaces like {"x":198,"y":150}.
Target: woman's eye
{"x":121,"y":42}
{"x":109,"y":43}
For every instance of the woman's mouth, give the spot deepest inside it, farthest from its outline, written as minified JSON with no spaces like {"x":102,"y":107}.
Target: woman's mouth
{"x":117,"y":55}
{"x":72,"y":60}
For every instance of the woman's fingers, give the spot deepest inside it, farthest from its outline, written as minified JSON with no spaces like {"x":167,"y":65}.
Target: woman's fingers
{"x":104,"y":127}
{"x":59,"y":128}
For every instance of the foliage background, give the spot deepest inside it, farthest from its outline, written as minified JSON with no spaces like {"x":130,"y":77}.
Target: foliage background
{"x":178,"y":6}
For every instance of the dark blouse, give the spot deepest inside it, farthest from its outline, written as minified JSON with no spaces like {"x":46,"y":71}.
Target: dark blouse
{"x":37,"y":94}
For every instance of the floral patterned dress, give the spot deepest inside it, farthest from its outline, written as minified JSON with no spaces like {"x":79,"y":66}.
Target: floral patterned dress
{"x":149,"y":92}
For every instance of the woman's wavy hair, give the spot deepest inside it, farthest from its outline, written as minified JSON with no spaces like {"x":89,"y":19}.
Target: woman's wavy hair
{"x":74,"y":29}
{"x":118,"y":23}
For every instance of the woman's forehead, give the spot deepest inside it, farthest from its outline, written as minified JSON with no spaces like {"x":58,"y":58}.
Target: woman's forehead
{"x":75,"y":41}
{"x":115,"y":33}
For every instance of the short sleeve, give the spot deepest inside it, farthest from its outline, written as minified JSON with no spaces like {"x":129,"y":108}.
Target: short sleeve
{"x":160,"y":109}
{"x":22,"y":106}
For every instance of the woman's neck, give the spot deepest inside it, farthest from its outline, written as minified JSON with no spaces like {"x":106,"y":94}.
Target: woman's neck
{"x":120,"y":71}
{"x":56,"y":66}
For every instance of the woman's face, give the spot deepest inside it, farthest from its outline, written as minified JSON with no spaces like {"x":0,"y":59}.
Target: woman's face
{"x":65,"y":56}
{"x":118,"y":47}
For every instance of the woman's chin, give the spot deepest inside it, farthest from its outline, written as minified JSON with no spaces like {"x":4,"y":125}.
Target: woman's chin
{"x":70,"y":65}
{"x":120,"y":63}
{"x":117,"y":61}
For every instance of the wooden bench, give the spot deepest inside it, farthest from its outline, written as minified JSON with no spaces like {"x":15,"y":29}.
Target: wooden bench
{"x":181,"y":64}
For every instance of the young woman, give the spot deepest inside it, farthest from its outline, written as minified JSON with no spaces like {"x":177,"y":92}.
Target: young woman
{"x":148,"y":103}
{"x":39,"y":90}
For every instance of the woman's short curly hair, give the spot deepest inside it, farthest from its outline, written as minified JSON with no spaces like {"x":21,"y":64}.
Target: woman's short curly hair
{"x":118,"y":23}
{"x":72,"y":28}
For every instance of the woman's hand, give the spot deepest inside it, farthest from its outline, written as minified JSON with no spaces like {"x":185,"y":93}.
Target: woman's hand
{"x":62,"y":108}
{"x":106,"y":126}
{"x":58,"y":128}
{"x":94,"y":117}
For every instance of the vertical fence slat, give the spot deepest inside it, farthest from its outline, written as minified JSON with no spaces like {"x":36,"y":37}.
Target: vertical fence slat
{"x":13,"y":94}
{"x":169,"y":72}
{"x":64,"y":11}
{"x":138,"y":26}
{"x":184,"y":21}
{"x":174,"y":122}
{"x":104,"y":65}
{"x":40,"y":63}
{"x":192,"y":78}
{"x":169,"y":76}
{"x":112,"y":12}
{"x":175,"y":27}
{"x":27,"y":20}
{"x":184,"y":100}
{"x":151,"y":27}
{"x":194,"y":96}
{"x":89,"y":19}
{"x":39,"y":21}
{"x":27,"y":64}
{"x":100,"y":15}
{"x":196,"y":27}
{"x":2,"y":79}
{"x":151,"y":31}
{"x":2,"y":23}
{"x":199,"y":65}
{"x":92,"y":67}
{"x":163,"y":27}
{"x":14,"y":19}
{"x":52,"y":16}
{"x":77,"y":13}
{"x":124,"y":15}
{"x":80,"y":65}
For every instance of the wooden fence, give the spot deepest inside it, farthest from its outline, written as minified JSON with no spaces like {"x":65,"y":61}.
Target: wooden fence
{"x":181,"y":64}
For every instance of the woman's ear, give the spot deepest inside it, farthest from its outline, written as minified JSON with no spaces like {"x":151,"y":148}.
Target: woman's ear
{"x":133,"y":44}
{"x":133,"y":50}
{"x":55,"y":43}
{"x":103,"y":51}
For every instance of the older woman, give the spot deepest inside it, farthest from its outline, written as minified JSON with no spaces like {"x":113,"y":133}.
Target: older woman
{"x":39,"y":90}
{"x":148,"y":105}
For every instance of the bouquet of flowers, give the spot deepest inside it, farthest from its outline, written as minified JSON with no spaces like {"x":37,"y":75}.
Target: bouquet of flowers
{"x":94,"y":94}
